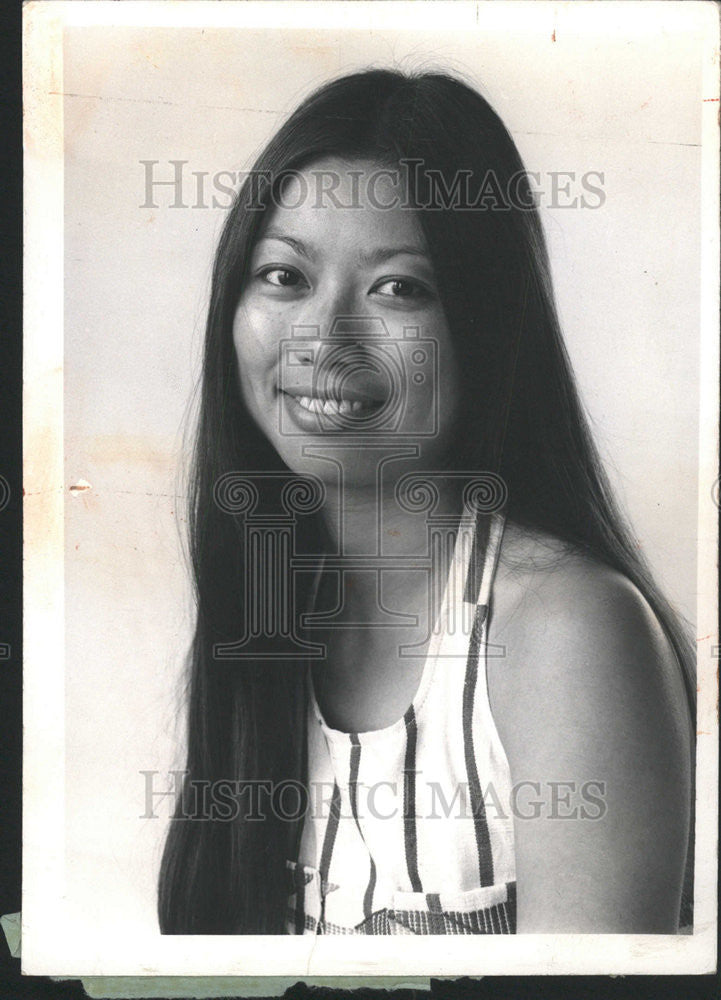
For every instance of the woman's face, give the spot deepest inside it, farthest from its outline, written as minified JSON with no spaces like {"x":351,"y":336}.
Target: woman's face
{"x":339,"y":333}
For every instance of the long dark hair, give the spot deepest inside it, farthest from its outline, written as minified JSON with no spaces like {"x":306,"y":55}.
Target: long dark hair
{"x":521,"y":415}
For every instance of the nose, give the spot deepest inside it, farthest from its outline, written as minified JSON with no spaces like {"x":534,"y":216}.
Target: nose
{"x":336,"y":331}
{"x":338,"y":345}
{"x":339,"y":312}
{"x":348,"y":338}
{"x":351,"y":343}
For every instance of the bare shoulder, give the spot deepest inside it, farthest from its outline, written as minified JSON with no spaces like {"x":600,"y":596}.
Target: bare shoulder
{"x":589,"y":690}
{"x":559,"y":609}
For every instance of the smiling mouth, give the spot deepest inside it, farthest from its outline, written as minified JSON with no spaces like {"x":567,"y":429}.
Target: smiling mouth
{"x":336,"y":407}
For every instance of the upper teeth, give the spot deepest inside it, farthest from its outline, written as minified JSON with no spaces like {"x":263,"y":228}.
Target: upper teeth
{"x":329,"y":406}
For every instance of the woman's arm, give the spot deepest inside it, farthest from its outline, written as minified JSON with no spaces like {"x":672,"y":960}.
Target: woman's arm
{"x":591,"y":709}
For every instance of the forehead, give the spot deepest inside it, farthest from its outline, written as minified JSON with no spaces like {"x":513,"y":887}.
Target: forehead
{"x":346,"y":201}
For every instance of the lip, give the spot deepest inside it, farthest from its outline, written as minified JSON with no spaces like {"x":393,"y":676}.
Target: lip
{"x":312,"y":421}
{"x":363,"y":381}
{"x":348,"y":394}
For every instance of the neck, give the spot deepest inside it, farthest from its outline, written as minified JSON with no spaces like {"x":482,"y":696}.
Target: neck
{"x":367,"y":524}
{"x":371,"y":522}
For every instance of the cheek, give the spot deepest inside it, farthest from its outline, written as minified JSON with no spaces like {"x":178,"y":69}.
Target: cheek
{"x":256,"y":340}
{"x":448,"y":380}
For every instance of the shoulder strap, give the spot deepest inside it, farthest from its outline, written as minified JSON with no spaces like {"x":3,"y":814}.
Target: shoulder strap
{"x":484,"y":557}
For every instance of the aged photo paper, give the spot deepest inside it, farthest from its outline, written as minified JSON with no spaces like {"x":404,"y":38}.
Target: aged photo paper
{"x":142,"y":122}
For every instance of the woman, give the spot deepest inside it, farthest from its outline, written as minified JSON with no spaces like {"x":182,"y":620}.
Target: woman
{"x":527,"y":771}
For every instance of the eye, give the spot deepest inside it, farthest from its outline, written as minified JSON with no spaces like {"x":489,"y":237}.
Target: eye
{"x":282,"y":277}
{"x":401,"y":288}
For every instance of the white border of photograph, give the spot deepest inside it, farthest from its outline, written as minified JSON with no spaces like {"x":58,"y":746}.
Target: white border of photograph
{"x":49,"y":934}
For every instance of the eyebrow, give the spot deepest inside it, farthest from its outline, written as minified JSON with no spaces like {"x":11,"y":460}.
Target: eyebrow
{"x":376,"y":256}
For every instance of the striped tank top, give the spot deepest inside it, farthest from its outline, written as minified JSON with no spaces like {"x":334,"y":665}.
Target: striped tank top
{"x":408,"y":829}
